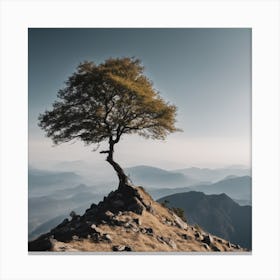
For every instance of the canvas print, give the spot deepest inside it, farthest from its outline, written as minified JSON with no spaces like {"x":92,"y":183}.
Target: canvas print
{"x":139,"y":140}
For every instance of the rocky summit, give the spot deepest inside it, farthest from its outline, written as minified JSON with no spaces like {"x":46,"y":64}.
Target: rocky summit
{"x":129,"y":220}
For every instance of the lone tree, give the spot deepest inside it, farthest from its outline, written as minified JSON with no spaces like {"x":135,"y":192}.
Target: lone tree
{"x":103,"y":102}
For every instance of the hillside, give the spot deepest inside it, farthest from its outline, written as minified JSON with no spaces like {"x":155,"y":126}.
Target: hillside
{"x":128,"y":219}
{"x":218,"y":214}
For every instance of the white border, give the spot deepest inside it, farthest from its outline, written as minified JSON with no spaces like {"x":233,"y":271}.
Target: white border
{"x":17,"y":16}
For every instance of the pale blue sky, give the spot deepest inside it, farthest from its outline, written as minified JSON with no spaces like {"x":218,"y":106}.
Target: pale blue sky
{"x":206,"y":73}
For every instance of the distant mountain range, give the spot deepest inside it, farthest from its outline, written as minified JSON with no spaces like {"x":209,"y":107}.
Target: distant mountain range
{"x":153,"y":177}
{"x":149,"y":176}
{"x":238,"y":188}
{"x":42,"y":178}
{"x":217,"y":214}
{"x":213,"y":175}
{"x":43,"y":211}
{"x":157,"y":177}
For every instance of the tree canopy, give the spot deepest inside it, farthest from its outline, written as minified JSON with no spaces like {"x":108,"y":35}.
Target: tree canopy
{"x":103,"y":102}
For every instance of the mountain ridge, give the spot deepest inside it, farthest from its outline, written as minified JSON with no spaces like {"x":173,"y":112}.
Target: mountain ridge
{"x":215,"y":174}
{"x":216,"y":213}
{"x":237,"y":187}
{"x":128,"y":219}
{"x":240,"y":193}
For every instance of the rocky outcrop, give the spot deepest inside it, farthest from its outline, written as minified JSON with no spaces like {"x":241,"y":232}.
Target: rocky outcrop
{"x":128,"y":220}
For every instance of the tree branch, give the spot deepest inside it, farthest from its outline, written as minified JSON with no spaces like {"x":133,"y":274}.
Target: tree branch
{"x":108,"y":110}
{"x":104,"y":152}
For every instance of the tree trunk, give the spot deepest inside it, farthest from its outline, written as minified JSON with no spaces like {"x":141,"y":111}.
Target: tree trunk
{"x":123,"y":179}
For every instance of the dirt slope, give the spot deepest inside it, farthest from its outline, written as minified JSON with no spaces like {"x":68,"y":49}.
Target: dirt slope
{"x":128,"y":219}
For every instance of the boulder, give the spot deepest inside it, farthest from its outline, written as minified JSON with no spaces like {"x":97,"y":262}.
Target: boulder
{"x":219,"y":240}
{"x":167,"y":241}
{"x":135,"y":229}
{"x":128,"y":225}
{"x":107,"y":237}
{"x":179,"y":223}
{"x":206,"y":246}
{"x":142,"y":230}
{"x":186,"y":237}
{"x":91,"y":217}
{"x":117,"y":204}
{"x":91,"y":211}
{"x":149,"y":231}
{"x":128,"y":249}
{"x":109,"y":214}
{"x":137,"y":221}
{"x":198,"y":235}
{"x":215,"y":248}
{"x":119,"y":195}
{"x":95,"y":237}
{"x":172,"y":244}
{"x":83,"y":230}
{"x":208,"y":239}
{"x":160,"y":239}
{"x":94,"y":227}
{"x":64,"y":234}
{"x":41,"y":244}
{"x":136,"y":206}
{"x":118,"y":248}
{"x":104,"y":216}
{"x":75,"y":237}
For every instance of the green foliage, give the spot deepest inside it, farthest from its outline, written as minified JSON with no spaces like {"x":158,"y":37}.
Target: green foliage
{"x":103,"y":102}
{"x":179,"y":212}
{"x":164,"y":203}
